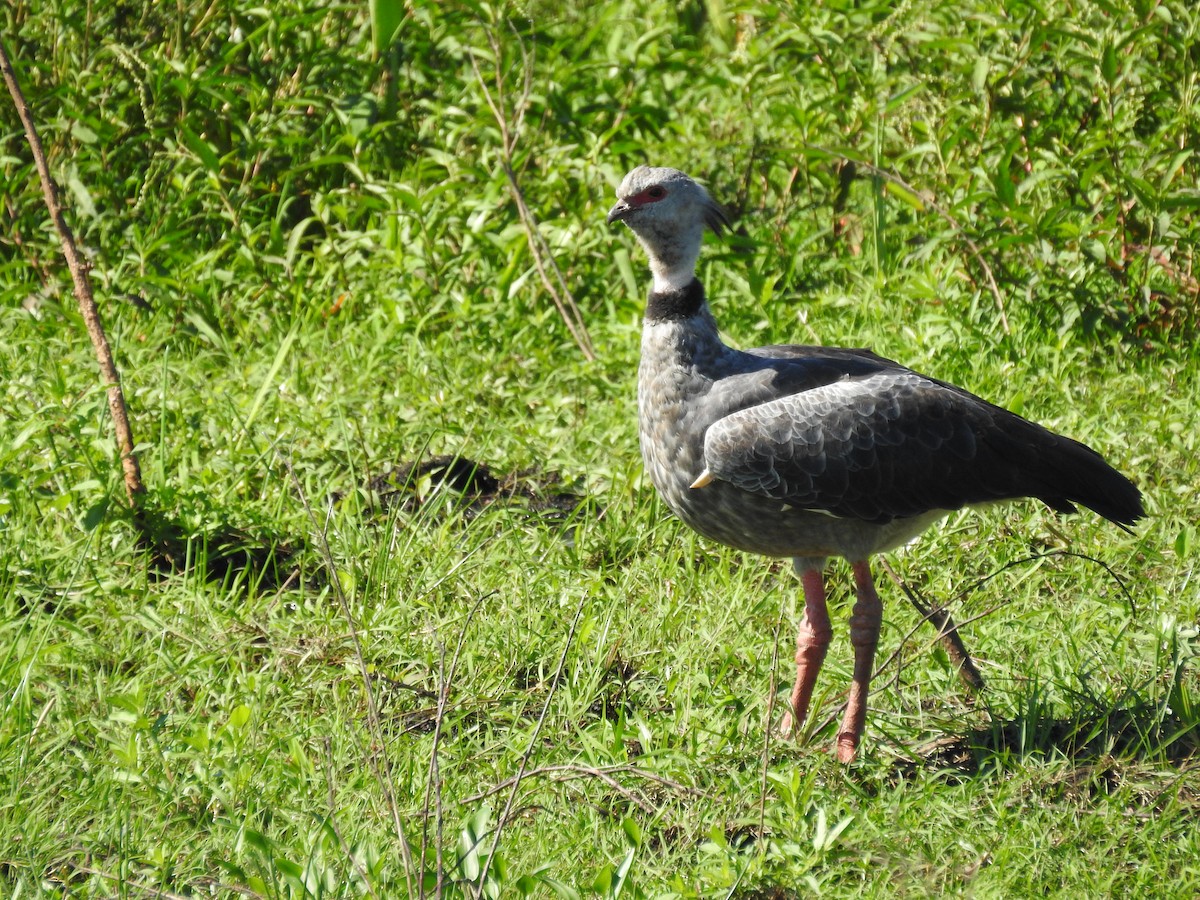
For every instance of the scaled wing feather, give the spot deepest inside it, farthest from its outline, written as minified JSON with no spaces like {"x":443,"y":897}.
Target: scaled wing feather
{"x":880,"y":446}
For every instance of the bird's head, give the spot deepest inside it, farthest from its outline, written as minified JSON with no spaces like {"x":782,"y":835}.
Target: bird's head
{"x":668,"y":212}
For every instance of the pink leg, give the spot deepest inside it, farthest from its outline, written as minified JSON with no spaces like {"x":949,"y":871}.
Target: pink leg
{"x":812,"y":640}
{"x":865,"y":623}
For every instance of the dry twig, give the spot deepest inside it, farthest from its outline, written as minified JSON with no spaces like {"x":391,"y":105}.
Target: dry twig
{"x":939,"y":617}
{"x":134,"y":889}
{"x":972,"y":247}
{"x":533,"y":739}
{"x":543,"y":257}
{"x":134,"y":488}
{"x":434,"y":783}
{"x":349,"y":854}
{"x":575,"y":771}
{"x":382,"y":772}
{"x":768,"y":728}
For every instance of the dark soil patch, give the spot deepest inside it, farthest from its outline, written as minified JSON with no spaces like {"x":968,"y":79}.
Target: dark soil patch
{"x":408,"y":486}
{"x":613,"y":700}
{"x":266,"y":562}
{"x":1135,"y":733}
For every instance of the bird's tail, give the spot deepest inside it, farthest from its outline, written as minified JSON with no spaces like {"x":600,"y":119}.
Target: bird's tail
{"x":1072,"y":473}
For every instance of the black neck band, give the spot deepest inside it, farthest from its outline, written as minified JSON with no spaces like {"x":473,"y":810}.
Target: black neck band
{"x":680,"y":304}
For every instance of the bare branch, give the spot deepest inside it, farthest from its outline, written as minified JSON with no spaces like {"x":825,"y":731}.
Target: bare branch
{"x":575,"y":771}
{"x":1034,"y":557}
{"x":972,"y":247}
{"x":539,"y":250}
{"x":533,"y":739}
{"x":133,"y":888}
{"x":134,"y":488}
{"x":947,"y":631}
{"x":434,"y":781}
{"x":382,"y":772}
{"x":768,"y":727}
{"x":362,"y":873}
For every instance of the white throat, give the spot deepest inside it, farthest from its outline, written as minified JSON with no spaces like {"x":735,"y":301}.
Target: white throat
{"x":674,"y":266}
{"x":672,"y":278}
{"x":672,"y":253}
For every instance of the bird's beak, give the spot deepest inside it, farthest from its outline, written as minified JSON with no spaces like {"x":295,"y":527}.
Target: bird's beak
{"x":619,"y":211}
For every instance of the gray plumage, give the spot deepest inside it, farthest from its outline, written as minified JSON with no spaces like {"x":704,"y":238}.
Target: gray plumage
{"x":795,"y":435}
{"x":812,"y":452}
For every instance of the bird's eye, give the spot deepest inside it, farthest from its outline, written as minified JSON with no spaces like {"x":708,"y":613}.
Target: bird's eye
{"x":657,"y":192}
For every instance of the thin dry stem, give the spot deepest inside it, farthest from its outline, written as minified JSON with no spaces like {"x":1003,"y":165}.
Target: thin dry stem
{"x":972,"y":677}
{"x":577,"y":770}
{"x":131,"y":888}
{"x":1034,"y":557}
{"x":354,"y":861}
{"x":134,"y":488}
{"x":434,"y":782}
{"x":972,"y":247}
{"x":533,"y":739}
{"x":768,"y":730}
{"x":947,"y":631}
{"x":543,"y":257}
{"x":565,"y":773}
{"x":382,"y":773}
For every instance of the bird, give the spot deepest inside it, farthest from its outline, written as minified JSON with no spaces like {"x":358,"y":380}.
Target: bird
{"x":814,"y":452}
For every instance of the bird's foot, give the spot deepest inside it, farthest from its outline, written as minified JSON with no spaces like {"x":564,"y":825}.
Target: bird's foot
{"x":787,"y":728}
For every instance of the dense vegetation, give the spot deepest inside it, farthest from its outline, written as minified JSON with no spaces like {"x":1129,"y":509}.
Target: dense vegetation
{"x":329,"y":272}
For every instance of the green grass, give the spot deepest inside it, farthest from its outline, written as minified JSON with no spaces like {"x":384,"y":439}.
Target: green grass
{"x":312,"y":272}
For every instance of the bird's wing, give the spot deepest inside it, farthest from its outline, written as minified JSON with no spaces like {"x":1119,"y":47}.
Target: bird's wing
{"x":881,"y":444}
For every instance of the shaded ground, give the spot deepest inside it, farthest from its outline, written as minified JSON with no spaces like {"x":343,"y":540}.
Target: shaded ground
{"x":1093,"y":737}
{"x":408,"y":485}
{"x":269,"y":562}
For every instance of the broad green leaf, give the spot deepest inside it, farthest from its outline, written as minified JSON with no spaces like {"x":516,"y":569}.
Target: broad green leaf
{"x":268,"y":383}
{"x":979,"y":73}
{"x":1109,"y":64}
{"x":622,"y":873}
{"x":82,"y":133}
{"x":1183,"y":543}
{"x":239,"y":716}
{"x":202,"y":148}
{"x":633,"y":831}
{"x":84,"y":205}
{"x":386,"y":18}
{"x":95,"y":515}
{"x":602,"y":884}
{"x":562,"y":890}
{"x":903,"y":193}
{"x":1174,"y":167}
